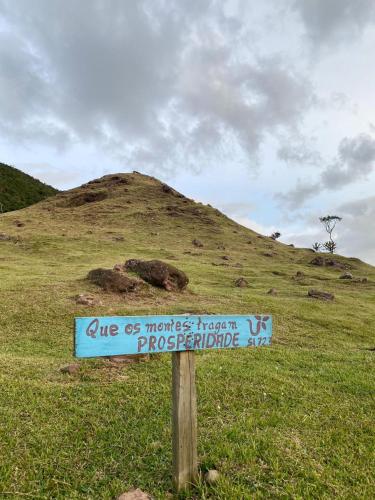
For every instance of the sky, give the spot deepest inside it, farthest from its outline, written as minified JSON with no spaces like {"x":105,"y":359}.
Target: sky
{"x":265,"y":110}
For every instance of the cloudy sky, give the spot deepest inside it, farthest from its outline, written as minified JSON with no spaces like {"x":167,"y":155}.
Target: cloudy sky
{"x":263,"y":109}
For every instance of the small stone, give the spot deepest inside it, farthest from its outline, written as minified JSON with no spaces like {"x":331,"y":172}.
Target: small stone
{"x":134,"y":495}
{"x":318,"y":294}
{"x":346,"y":276}
{"x":119,"y":267}
{"x":272,"y":291}
{"x":225,"y":257}
{"x":197,"y":243}
{"x":241,"y":282}
{"x":212,"y":476}
{"x":85,"y":300}
{"x":119,"y":238}
{"x":364,"y":280}
{"x":73,"y":368}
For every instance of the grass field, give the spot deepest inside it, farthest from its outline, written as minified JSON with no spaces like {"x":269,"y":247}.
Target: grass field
{"x":295,"y":420}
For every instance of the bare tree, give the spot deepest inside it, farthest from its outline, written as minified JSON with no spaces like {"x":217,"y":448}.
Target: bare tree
{"x":329,"y":222}
{"x":275,"y":235}
{"x":317,"y":246}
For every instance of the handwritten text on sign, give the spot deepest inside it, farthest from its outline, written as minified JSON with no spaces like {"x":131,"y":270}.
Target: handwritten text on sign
{"x":109,"y":336}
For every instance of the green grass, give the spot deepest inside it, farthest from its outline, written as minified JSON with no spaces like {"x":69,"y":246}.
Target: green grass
{"x":291,"y":421}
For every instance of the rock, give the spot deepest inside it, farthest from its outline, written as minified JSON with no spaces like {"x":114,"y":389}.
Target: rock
{"x":134,"y":495}
{"x":346,"y":276}
{"x":272,"y":291}
{"x":18,"y":223}
{"x":241,"y":282}
{"x":212,"y":476}
{"x":335,"y":263}
{"x":221,"y":246}
{"x":364,"y":280}
{"x":119,"y":238}
{"x":166,"y":189}
{"x":86,"y":300}
{"x":159,"y":273}
{"x":318,"y":294}
{"x":197,"y":243}
{"x":4,"y":237}
{"x":119,"y":267}
{"x":291,"y":245}
{"x":299,"y":275}
{"x":113,"y":281}
{"x":318,"y":261}
{"x":73,"y":368}
{"x":225,"y":257}
{"x":268,"y":254}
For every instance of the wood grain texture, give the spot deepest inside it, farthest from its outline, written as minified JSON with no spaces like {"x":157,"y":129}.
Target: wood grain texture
{"x":185,"y":461}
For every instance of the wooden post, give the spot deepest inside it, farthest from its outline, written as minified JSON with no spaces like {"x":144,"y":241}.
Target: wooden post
{"x":185,"y":461}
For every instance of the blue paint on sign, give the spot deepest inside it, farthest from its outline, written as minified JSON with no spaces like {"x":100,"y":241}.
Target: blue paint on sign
{"x":110,"y":336}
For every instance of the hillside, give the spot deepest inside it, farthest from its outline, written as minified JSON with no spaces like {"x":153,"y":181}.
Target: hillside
{"x":294,"y":420}
{"x":19,"y":190}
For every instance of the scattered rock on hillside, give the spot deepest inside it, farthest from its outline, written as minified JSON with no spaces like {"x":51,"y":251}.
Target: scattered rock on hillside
{"x":119,"y":267}
{"x":166,"y":189}
{"x":346,"y":276}
{"x":113,"y":281}
{"x":19,"y":223}
{"x":272,"y":291}
{"x":71,"y":369}
{"x":86,"y":300}
{"x":299,"y":275}
{"x":336,"y":263}
{"x":5,"y":237}
{"x":197,"y":243}
{"x":212,"y":476}
{"x":318,"y":261}
{"x":268,"y":254}
{"x":221,"y":246}
{"x":364,"y":280}
{"x":134,"y":495}
{"x":241,"y":282}
{"x":158,"y":273}
{"x":318,"y":294}
{"x":225,"y":257}
{"x":118,"y":238}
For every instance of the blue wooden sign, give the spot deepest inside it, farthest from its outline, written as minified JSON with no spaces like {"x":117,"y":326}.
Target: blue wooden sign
{"x":111,"y":336}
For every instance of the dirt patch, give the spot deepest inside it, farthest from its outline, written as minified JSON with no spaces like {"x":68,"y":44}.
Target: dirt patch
{"x":88,"y":197}
{"x":158,"y":273}
{"x":113,"y":281}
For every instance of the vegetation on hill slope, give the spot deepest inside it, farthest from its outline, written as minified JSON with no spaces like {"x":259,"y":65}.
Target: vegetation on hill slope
{"x":294,"y":420}
{"x":19,"y":190}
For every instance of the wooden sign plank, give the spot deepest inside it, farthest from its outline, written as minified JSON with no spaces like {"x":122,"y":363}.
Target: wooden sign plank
{"x":184,"y":420}
{"x":111,"y":336}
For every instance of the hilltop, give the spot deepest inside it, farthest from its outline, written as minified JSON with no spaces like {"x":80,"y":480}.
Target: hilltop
{"x":20,"y":190}
{"x":292,"y":420}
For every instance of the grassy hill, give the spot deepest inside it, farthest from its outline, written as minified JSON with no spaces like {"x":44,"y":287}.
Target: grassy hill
{"x":19,"y":190}
{"x":294,"y":420}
